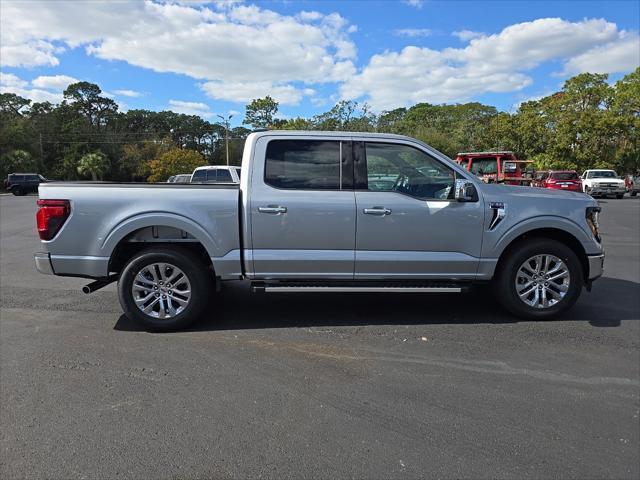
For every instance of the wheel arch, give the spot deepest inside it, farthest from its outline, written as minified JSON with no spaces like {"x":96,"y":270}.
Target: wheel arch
{"x":558,"y":234}
{"x":139,"y":233}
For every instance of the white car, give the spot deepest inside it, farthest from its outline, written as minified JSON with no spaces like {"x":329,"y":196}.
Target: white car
{"x":603,"y":183}
{"x":181,"y":178}
{"x":216,"y":174}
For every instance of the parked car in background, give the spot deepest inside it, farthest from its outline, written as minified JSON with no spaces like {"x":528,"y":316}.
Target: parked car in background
{"x":632,"y":184}
{"x":635,"y":185}
{"x":182,"y":178}
{"x":216,"y":174}
{"x":539,"y":177}
{"x":602,"y":183}
{"x":558,"y":179}
{"x":323,"y":212}
{"x":497,"y":167}
{"x":23,"y":183}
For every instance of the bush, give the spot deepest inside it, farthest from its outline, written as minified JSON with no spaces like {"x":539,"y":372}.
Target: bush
{"x":174,"y":162}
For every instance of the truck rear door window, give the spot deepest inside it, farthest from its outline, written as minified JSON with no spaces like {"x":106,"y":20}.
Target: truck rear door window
{"x":303,"y":164}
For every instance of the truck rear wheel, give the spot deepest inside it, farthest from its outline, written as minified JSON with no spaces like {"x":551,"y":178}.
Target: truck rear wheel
{"x":164,"y":289}
{"x":539,"y":279}
{"x":18,"y":191}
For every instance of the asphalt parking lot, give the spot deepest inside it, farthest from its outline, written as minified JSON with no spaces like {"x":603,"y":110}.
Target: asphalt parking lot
{"x":304,"y":386}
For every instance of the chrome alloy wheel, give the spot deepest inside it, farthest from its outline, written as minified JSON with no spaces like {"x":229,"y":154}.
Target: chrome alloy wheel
{"x":542,"y":281}
{"x":161,"y":290}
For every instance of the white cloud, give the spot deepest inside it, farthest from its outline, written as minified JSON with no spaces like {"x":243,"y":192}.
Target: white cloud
{"x":127,"y":93}
{"x":10,"y":83}
{"x":11,"y":80}
{"x":621,"y":55}
{"x":466,"y":35}
{"x":54,"y":82}
{"x":284,"y":94}
{"x":228,"y":43}
{"x":414,"y":3}
{"x":190,"y":108}
{"x":412,"y":32}
{"x":490,"y":63}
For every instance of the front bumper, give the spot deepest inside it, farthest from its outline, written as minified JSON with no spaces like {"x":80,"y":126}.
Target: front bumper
{"x":596,"y":266}
{"x":597,"y":190}
{"x":43,"y":263}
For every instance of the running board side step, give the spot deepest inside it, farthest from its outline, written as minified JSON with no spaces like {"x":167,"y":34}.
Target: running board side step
{"x":258,"y":287}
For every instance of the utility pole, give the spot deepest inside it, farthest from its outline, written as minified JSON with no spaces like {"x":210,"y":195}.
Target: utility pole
{"x":225,"y":121}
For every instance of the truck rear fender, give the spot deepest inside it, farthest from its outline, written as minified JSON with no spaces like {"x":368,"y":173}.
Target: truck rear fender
{"x":162,"y":227}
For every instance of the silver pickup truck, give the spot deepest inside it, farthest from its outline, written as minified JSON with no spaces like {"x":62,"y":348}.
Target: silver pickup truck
{"x":322,"y":212}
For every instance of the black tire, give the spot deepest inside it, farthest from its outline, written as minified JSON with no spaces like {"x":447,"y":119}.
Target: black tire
{"x":18,"y":191}
{"x":505,"y":279}
{"x":633,"y":194}
{"x":199,"y":277}
{"x":620,"y":196}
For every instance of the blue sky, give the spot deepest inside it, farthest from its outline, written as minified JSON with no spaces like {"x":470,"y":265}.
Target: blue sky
{"x":210,"y":58}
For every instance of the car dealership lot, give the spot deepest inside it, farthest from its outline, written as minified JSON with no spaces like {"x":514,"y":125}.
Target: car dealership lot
{"x":331,"y":386}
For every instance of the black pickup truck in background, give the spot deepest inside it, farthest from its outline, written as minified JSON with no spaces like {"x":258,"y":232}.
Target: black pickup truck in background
{"x":23,"y":183}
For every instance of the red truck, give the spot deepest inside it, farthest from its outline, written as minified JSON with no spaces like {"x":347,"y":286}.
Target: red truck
{"x":497,"y":167}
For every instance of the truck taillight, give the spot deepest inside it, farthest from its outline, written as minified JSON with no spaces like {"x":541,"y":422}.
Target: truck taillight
{"x":51,"y":216}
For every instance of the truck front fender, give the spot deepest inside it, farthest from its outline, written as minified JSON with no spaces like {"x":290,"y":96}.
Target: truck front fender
{"x":494,"y":248}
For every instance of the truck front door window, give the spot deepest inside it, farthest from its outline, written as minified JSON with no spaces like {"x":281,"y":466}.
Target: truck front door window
{"x":407,"y":170}
{"x":303,"y":165}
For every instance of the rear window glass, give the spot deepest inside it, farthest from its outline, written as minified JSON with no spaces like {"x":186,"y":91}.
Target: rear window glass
{"x":303,"y":164}
{"x":224,"y":176}
{"x":480,"y":166}
{"x":564,"y":176}
{"x":199,"y":176}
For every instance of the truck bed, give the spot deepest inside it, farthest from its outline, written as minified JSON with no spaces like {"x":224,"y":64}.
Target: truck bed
{"x":105,"y":214}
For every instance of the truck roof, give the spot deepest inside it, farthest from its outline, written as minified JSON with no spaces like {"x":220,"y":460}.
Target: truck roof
{"x":321,"y":133}
{"x":495,"y":152}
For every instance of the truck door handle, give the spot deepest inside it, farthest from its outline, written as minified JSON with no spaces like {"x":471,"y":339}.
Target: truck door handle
{"x":377,"y":211}
{"x":273,"y":209}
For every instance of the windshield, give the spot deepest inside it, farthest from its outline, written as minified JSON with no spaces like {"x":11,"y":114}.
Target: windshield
{"x":564,"y":176}
{"x":480,"y":166}
{"x":603,"y":174}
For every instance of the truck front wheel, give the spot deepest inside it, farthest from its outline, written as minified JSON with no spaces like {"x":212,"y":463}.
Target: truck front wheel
{"x":164,"y":289}
{"x":539,"y":279}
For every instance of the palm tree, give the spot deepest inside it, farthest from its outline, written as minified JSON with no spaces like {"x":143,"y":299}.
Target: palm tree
{"x":94,"y":164}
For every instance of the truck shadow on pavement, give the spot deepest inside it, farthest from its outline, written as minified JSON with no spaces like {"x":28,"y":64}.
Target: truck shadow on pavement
{"x":235,"y":308}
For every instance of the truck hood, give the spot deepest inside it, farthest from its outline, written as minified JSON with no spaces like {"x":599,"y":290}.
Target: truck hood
{"x":495,"y":191}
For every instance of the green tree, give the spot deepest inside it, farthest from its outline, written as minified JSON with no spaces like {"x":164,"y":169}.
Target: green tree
{"x":297,"y":123}
{"x":174,"y":162}
{"x":85,"y":98}
{"x":17,"y":161}
{"x":260,"y":112}
{"x":94,"y":164}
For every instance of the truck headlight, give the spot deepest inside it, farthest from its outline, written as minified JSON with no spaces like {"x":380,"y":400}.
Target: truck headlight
{"x":592,"y":221}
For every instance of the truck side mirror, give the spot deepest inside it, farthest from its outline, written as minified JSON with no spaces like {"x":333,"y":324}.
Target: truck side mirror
{"x":465,"y":191}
